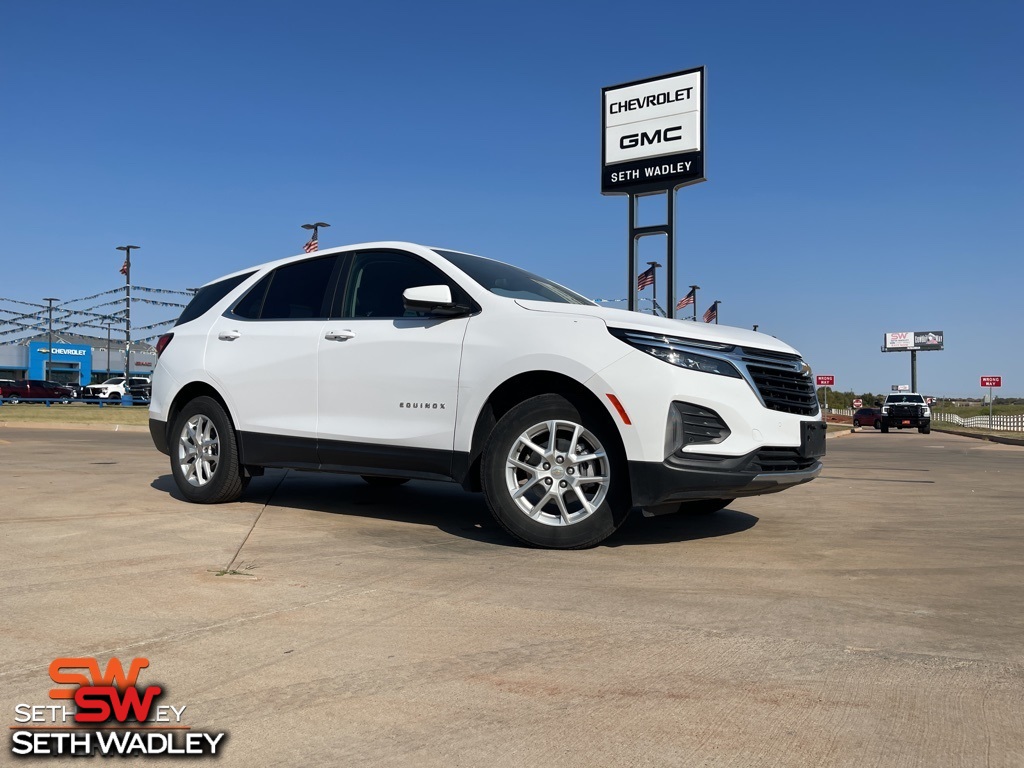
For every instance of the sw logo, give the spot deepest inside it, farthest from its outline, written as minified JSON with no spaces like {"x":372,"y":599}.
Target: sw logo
{"x":103,"y":695}
{"x":104,"y":709}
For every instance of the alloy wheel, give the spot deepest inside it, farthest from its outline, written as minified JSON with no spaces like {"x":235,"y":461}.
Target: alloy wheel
{"x":198,"y":450}
{"x":557,"y":473}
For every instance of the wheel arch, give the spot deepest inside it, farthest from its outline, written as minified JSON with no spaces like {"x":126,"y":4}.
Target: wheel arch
{"x":515,"y":390}
{"x":188,"y":393}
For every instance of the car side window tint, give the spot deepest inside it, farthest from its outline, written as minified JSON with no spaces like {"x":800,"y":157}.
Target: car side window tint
{"x":250,"y":305}
{"x":296,"y":291}
{"x":204,"y":300}
{"x":377,"y":281}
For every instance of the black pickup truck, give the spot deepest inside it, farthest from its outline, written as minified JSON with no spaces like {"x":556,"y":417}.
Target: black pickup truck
{"x":906,"y":410}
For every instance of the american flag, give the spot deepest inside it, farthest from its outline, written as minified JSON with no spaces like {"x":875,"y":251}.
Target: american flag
{"x":645,"y":278}
{"x":687,"y":300}
{"x":712,"y":313}
{"x":124,"y":268}
{"x":312,"y":245}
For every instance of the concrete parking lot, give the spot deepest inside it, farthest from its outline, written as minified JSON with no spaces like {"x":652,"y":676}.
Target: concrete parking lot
{"x":872,"y":617}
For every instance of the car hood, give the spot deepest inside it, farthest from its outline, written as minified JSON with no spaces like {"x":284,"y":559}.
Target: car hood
{"x":621,"y":318}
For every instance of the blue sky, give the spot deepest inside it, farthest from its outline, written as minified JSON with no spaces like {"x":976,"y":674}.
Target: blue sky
{"x":864,"y":162}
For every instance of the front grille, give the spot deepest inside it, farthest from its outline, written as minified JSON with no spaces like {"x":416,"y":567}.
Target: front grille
{"x":905,"y":411}
{"x":780,"y":380}
{"x":771,"y":459}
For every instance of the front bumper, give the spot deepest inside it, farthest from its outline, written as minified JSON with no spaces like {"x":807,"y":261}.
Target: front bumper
{"x":694,"y":476}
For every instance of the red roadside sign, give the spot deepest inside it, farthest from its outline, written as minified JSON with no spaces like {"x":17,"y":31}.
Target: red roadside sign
{"x":825,"y":380}
{"x":991,"y":381}
{"x":858,"y":403}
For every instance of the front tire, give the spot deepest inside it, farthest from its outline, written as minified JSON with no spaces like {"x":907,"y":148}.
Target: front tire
{"x":554,"y":475}
{"x":885,"y":427}
{"x":856,"y":423}
{"x":204,"y":454}
{"x":925,"y":430}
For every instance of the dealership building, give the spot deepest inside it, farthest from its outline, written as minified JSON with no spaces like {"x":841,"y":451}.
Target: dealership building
{"x":79,"y":359}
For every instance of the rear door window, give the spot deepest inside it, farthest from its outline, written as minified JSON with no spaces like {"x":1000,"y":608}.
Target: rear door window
{"x":302,"y":290}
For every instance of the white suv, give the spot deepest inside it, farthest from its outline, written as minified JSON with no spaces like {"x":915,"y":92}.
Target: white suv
{"x":113,"y":388}
{"x":396,"y":361}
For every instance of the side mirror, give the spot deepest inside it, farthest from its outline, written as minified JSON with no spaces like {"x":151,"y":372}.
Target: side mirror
{"x":435,"y":299}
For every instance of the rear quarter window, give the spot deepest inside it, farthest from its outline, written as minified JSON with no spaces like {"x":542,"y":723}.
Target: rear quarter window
{"x":209,"y":295}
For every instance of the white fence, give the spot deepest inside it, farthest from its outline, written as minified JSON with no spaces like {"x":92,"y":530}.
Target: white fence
{"x":1011,"y":423}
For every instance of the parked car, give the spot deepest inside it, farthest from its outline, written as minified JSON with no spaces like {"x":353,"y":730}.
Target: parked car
{"x":35,"y":389}
{"x":396,"y":361}
{"x":140,"y":391}
{"x":74,"y":387}
{"x":868,"y":417}
{"x":113,"y":389}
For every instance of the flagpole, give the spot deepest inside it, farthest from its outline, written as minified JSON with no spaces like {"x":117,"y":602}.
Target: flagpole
{"x":316,"y":234}
{"x":127,"y":310}
{"x":694,"y":288}
{"x":654,"y":286}
{"x":717,"y":302}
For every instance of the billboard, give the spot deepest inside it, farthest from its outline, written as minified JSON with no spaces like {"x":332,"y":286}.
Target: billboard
{"x":917,"y":341}
{"x":928,"y":340}
{"x":652,"y":133}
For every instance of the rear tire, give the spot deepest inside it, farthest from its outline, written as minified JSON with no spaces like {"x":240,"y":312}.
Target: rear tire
{"x":925,"y":430}
{"x":554,"y":475}
{"x":878,"y":424}
{"x":204,"y":454}
{"x":856,"y":423}
{"x":13,"y":399}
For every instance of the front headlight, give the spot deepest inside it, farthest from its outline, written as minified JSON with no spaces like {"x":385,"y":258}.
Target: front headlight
{"x":679,"y":352}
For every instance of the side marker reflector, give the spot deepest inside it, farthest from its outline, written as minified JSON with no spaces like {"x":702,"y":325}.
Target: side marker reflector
{"x":622,"y":411}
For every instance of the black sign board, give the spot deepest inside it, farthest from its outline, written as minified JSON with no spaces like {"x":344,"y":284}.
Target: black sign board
{"x":652,"y":133}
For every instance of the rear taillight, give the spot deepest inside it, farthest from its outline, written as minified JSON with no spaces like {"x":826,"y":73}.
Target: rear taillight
{"x":162,"y":343}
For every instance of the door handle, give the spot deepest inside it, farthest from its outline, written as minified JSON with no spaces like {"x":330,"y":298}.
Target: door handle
{"x":343,"y":335}
{"x":228,"y":335}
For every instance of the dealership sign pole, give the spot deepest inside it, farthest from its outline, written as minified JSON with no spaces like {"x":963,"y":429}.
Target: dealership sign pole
{"x":653,"y":143}
{"x":991,"y":381}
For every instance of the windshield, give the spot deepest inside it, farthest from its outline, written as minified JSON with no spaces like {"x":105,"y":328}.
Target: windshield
{"x":512,"y":282}
{"x":114,"y":381}
{"x":904,"y":399}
